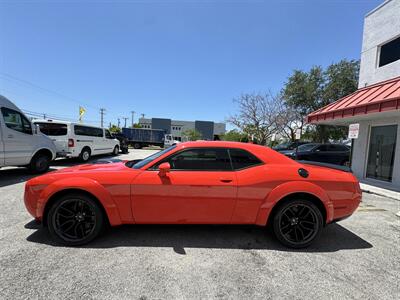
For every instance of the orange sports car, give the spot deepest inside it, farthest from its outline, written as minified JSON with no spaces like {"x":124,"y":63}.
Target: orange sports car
{"x":200,"y":182}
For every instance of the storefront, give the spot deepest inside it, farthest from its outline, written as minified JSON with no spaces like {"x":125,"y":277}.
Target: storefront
{"x":376,"y":151}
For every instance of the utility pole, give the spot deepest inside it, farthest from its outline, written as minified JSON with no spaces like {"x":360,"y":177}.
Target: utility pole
{"x":125,"y":118}
{"x":133,"y":116}
{"x":102,"y":112}
{"x":119,"y":123}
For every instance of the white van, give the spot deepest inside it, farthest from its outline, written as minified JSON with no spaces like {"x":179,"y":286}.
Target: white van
{"x":21,"y":144}
{"x":78,"y":140}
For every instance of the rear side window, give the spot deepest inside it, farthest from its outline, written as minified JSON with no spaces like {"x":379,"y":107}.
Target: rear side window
{"x":242,"y":159}
{"x":16,"y":121}
{"x":337,"y":148}
{"x":88,"y":131}
{"x":53,"y":129}
{"x":201,"y":159}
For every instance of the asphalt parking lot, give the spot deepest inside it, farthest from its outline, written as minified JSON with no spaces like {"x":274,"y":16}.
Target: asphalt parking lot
{"x":356,"y":258}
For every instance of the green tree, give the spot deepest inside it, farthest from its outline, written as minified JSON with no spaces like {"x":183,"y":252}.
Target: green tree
{"x":235,"y":136}
{"x":137,"y":125}
{"x":115,"y":129}
{"x":306,"y":92}
{"x":191,"y":135}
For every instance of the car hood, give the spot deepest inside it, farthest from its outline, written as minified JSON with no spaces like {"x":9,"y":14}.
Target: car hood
{"x":98,"y":167}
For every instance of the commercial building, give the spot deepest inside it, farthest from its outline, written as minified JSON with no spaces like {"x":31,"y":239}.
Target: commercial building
{"x":208,"y":129}
{"x":376,"y":105}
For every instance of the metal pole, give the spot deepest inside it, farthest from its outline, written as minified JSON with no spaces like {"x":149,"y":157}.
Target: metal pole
{"x":102,"y":112}
{"x":133,"y":116}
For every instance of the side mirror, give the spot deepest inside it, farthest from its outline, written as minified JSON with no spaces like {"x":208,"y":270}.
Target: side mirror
{"x":164,"y":168}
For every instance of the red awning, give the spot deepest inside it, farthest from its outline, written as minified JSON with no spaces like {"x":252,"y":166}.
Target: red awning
{"x":380,"y":97}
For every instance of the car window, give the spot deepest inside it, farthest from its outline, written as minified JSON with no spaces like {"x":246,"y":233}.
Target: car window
{"x":242,"y":159}
{"x":52,"y":129}
{"x":16,"y":121}
{"x":201,"y":159}
{"x":338,"y":148}
{"x":150,"y":158}
{"x":108,"y":134}
{"x":306,"y":147}
{"x":88,"y":131}
{"x":322,"y":148}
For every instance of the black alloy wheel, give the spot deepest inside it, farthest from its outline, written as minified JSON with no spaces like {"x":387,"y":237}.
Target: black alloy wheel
{"x":75,"y":220}
{"x":40,"y":163}
{"x":297,"y":223}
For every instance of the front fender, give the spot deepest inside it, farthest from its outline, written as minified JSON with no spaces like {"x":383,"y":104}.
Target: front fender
{"x":288,"y":188}
{"x":85,"y":184}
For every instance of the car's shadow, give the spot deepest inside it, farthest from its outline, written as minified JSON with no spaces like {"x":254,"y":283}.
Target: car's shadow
{"x":333,"y":238}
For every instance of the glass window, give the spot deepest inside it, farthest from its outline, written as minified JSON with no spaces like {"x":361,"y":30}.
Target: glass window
{"x":88,"y":131}
{"x":306,"y":147}
{"x":201,"y":159}
{"x":338,"y":148}
{"x":242,"y":159}
{"x":322,"y":148}
{"x":150,"y":158}
{"x":53,"y":129}
{"x":16,"y":121}
{"x":389,"y":52}
{"x":382,"y":147}
{"x":108,"y":134}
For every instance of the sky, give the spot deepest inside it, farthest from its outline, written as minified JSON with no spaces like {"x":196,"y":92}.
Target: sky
{"x":185,"y":60}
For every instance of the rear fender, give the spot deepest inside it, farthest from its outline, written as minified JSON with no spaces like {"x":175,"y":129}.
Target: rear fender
{"x":292,"y":187}
{"x":85,"y":184}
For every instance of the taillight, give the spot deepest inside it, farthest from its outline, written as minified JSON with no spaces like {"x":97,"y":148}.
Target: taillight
{"x":71,"y":143}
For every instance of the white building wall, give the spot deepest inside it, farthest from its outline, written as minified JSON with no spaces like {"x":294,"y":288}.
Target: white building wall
{"x":360,"y":153}
{"x":380,"y":26}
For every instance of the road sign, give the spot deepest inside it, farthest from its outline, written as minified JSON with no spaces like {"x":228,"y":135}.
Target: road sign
{"x":298,"y":134}
{"x":353,"y":131}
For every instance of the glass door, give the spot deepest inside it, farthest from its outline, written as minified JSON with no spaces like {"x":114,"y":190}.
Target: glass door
{"x":382,"y":146}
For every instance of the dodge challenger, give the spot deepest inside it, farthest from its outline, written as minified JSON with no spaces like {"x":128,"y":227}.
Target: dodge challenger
{"x":203,"y":182}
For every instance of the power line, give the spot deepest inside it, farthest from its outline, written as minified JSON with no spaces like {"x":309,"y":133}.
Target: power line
{"x":37,"y":87}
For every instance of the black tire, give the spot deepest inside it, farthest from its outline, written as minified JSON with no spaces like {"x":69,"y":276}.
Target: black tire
{"x":137,"y":146}
{"x":115,"y":151}
{"x":75,"y":219}
{"x":40,"y":163}
{"x":297,"y":223}
{"x":85,"y":154}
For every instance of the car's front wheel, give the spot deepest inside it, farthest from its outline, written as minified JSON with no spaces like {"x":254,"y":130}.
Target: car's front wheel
{"x":297,"y":223}
{"x":75,"y":219}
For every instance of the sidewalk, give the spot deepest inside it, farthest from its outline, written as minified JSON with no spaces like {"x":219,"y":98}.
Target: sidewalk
{"x":380,"y":191}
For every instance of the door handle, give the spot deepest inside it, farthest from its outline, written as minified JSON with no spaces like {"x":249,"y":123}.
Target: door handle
{"x":10,"y":136}
{"x":226,"y":180}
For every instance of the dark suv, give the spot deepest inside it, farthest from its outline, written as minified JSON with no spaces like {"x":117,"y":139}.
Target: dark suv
{"x":326,"y":153}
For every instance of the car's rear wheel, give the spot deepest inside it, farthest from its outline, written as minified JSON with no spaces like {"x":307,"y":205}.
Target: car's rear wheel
{"x":85,"y":154}
{"x":75,"y":219}
{"x":40,"y":163}
{"x":137,"y":146}
{"x":116,"y":150}
{"x":297,"y":223}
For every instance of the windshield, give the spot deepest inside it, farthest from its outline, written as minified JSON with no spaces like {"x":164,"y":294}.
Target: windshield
{"x":152,"y":157}
{"x":306,"y":147}
{"x":283,"y":146}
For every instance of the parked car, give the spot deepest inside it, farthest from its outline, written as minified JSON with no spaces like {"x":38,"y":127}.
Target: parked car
{"x":289,"y":146}
{"x":327,"y":153}
{"x":123,"y":142}
{"x":204,"y":182}
{"x":79,"y":140}
{"x":20,"y":142}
